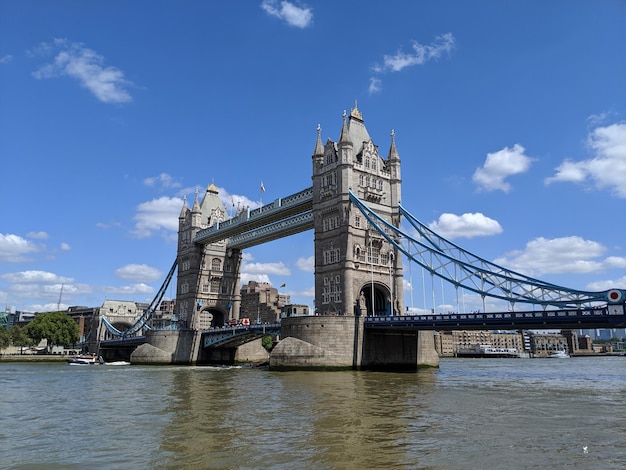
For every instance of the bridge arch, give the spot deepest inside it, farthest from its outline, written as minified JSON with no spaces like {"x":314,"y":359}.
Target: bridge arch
{"x":381,"y":295}
{"x":211,"y":317}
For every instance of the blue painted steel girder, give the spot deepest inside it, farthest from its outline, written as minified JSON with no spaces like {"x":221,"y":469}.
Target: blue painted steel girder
{"x":461,"y":268}
{"x":235,"y":336}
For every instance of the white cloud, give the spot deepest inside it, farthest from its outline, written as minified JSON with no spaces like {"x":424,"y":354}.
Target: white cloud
{"x":375,"y":85}
{"x":608,"y":284}
{"x":163,"y":180}
{"x":31,"y":277}
{"x":500,"y":165}
{"x":38,"y":235}
{"x":300,"y":17}
{"x":266,"y":268}
{"x":306,"y":264}
{"x":156,"y":215}
{"x":419,"y":55}
{"x":6,"y":59}
{"x":467,"y":225}
{"x":65,"y":247}
{"x":134,"y":289}
{"x":13,"y":248}
{"x":559,"y":255}
{"x":74,"y":60}
{"x":138,"y":272}
{"x":606,"y":169}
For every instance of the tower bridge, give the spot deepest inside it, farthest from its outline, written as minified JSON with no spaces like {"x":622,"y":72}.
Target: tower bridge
{"x":354,"y":209}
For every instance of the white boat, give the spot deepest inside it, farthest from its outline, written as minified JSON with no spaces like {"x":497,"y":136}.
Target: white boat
{"x":89,"y":360}
{"x":559,"y":355}
{"x":486,"y":350}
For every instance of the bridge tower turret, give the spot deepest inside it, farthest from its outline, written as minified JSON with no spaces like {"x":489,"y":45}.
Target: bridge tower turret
{"x":356,"y":270}
{"x":207,"y":290}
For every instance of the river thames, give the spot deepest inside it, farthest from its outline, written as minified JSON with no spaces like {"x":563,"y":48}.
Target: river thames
{"x":469,"y":413}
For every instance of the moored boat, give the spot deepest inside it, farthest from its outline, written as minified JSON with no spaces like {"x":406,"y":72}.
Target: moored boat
{"x":486,"y":350}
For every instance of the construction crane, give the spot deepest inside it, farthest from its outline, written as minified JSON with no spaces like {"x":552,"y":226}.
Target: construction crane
{"x":60,"y":297}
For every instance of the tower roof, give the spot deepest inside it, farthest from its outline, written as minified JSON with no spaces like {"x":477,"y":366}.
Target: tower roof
{"x":211,"y":203}
{"x":357,"y":133}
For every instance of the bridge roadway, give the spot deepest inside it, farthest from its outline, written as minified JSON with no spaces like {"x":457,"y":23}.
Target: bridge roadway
{"x":529,"y":320}
{"x":283,"y":217}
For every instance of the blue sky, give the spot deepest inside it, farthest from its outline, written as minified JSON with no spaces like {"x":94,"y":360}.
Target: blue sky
{"x":509,"y":118}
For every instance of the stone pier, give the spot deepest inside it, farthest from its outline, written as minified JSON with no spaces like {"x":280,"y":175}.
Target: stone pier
{"x":342,"y":342}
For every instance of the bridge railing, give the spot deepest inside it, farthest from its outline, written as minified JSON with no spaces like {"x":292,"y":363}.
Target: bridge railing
{"x":570,"y":318}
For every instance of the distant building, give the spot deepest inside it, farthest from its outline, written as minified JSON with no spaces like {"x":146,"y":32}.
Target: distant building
{"x":447,"y":343}
{"x":260,"y":302}
{"x":295,"y":310}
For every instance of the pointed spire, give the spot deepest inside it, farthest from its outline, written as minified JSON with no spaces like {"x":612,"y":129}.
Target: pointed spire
{"x":196,"y":204}
{"x":183,"y":211}
{"x":319,"y":148}
{"x":393,"y":152}
{"x":345,"y":133}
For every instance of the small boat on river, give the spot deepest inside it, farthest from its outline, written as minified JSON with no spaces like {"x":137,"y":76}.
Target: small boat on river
{"x":559,"y":355}
{"x":86,"y":360}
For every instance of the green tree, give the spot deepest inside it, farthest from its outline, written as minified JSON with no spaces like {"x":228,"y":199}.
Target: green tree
{"x":19,"y":337}
{"x":57,"y":327}
{"x":267,"y":342}
{"x":5,"y":337}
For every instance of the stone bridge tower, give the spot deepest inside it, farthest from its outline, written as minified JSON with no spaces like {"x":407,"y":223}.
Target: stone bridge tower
{"x":357,"y":272}
{"x":207,"y":291}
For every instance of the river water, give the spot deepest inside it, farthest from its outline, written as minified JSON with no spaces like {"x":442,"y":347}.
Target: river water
{"x":469,"y":413}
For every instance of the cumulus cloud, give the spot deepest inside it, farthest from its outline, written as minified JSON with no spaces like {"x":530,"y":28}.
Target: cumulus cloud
{"x":468,"y":225}
{"x":266,"y":268}
{"x":157,"y":215}
{"x":138,"y":272}
{"x":31,"y":277}
{"x":5,"y":59}
{"x":13,"y":248}
{"x":129,"y":291}
{"x":73,"y":59}
{"x":418,"y":55}
{"x":500,"y":165}
{"x":294,"y":15}
{"x":619,"y":283}
{"x":306,"y":264}
{"x":559,"y":255}
{"x":65,"y":247}
{"x":606,"y":169}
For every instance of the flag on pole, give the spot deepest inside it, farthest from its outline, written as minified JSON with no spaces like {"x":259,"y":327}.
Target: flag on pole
{"x":283,"y":285}
{"x":262,"y":187}
{"x":232,"y":200}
